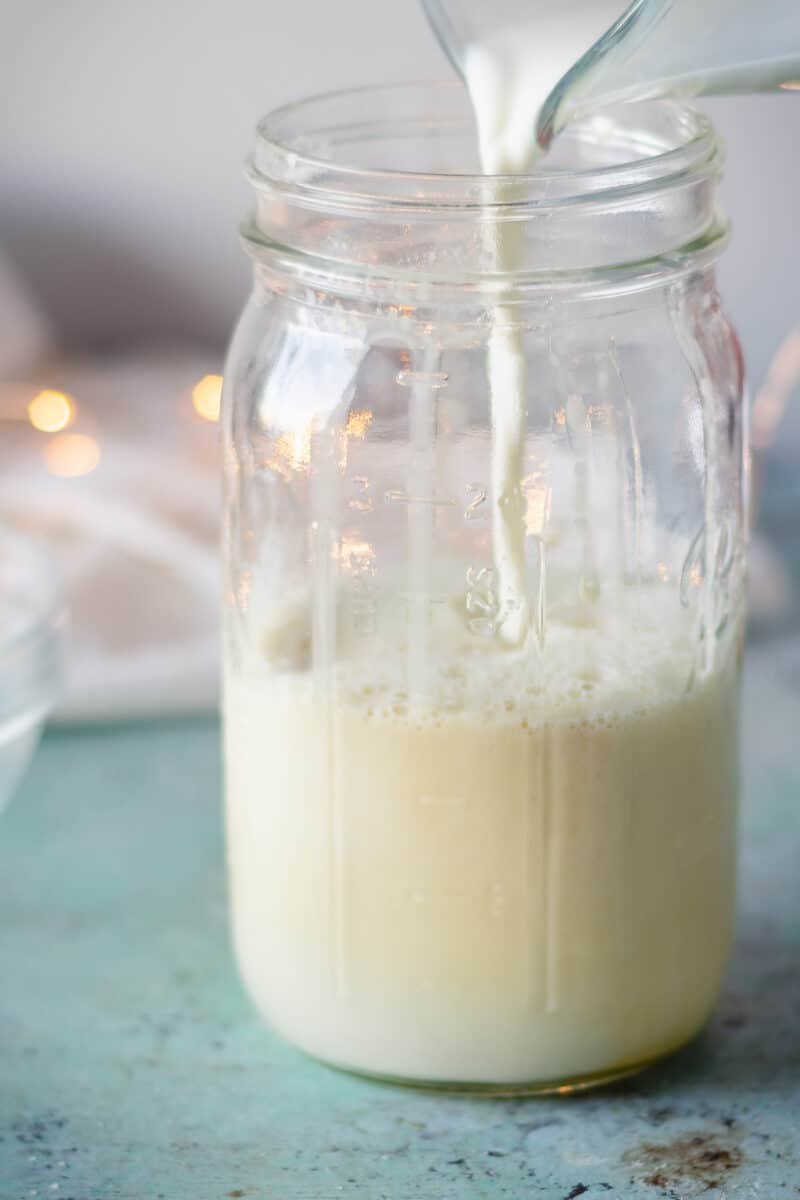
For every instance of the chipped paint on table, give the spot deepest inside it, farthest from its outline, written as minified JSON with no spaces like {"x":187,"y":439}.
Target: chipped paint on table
{"x":134,"y":1069}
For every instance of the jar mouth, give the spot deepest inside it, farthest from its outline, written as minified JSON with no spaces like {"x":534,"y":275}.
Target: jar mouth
{"x":338,"y":144}
{"x":382,"y":186}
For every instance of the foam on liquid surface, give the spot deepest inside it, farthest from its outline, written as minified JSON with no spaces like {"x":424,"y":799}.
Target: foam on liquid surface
{"x":600,"y":661}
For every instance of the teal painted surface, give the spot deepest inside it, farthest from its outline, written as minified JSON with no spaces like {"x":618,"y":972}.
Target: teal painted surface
{"x":132,"y":1067}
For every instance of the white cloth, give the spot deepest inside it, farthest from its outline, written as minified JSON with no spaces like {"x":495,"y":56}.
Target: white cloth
{"x":136,"y":536}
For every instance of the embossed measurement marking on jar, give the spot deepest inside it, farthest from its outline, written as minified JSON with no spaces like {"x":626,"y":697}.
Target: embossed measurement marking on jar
{"x":365,"y":593}
{"x":401,"y":496}
{"x":430,"y":379}
{"x":362,"y":499}
{"x":433,"y":600}
{"x":476,"y":510}
{"x":481,"y":599}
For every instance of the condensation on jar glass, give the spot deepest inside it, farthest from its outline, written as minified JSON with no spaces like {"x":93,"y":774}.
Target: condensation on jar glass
{"x":482,"y":659}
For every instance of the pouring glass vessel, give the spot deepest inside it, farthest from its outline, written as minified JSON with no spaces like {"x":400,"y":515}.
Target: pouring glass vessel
{"x":654,"y":48}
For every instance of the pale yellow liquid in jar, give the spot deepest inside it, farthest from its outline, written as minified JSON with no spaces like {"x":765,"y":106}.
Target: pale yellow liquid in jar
{"x":529,"y":880}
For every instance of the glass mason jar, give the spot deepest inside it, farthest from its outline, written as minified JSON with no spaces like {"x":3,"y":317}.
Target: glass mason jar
{"x":484,"y":541}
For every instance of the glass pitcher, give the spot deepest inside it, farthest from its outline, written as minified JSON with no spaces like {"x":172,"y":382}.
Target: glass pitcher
{"x":456,"y":858}
{"x":635,"y":51}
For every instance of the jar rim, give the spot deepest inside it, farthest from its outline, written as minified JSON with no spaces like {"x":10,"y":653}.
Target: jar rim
{"x":330,"y":213}
{"x":288,"y":153}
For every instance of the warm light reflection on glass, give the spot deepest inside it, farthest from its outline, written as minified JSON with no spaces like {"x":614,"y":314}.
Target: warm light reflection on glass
{"x":560,"y":416}
{"x":207,"y":396}
{"x":355,"y":553}
{"x":662,"y":570}
{"x":537,"y":510}
{"x":51,"y":411}
{"x":599,"y":414}
{"x":72,"y":454}
{"x":358,"y":423}
{"x":294,"y":449}
{"x":791,"y":85}
{"x":243,"y":592}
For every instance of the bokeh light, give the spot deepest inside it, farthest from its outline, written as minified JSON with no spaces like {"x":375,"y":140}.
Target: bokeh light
{"x":51,"y":411}
{"x":72,"y":454}
{"x":207,"y":396}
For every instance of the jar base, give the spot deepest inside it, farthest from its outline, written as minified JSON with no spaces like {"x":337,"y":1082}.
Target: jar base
{"x":547,"y":1087}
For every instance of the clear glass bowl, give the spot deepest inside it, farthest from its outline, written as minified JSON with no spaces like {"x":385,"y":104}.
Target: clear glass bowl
{"x":32,"y":629}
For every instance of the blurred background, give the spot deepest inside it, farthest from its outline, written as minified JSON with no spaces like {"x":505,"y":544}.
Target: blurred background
{"x":122,"y":134}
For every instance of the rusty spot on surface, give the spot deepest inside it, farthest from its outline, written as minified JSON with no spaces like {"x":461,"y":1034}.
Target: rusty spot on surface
{"x":696,"y":1158}
{"x":236,"y":1193}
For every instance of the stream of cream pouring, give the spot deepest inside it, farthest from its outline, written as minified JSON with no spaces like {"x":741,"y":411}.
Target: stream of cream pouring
{"x":509,"y":75}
